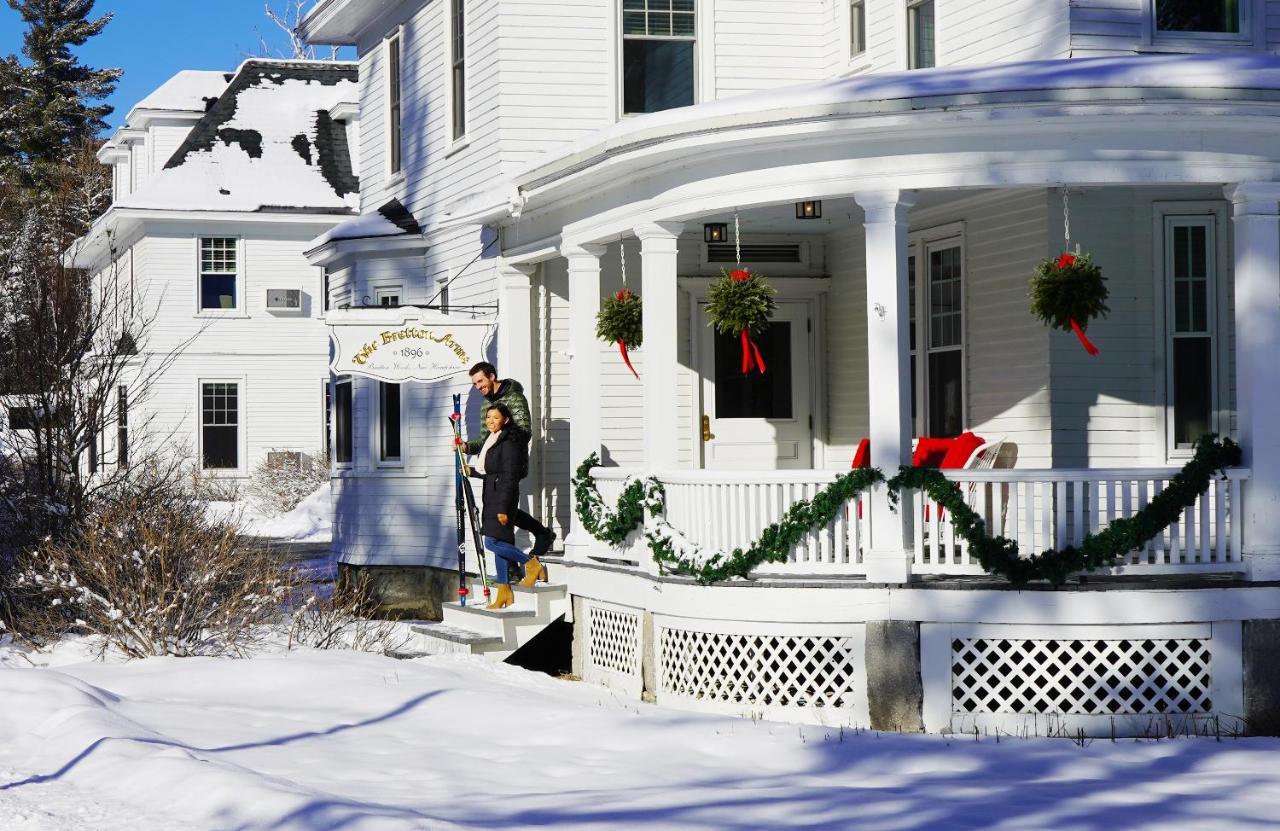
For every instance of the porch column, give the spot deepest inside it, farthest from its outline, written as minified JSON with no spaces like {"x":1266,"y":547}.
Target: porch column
{"x":888,"y":375}
{"x":1256,"y":214}
{"x":584,"y":368}
{"x":515,"y":325}
{"x":661,"y":359}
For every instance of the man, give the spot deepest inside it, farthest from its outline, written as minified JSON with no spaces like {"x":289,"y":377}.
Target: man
{"x":509,"y":392}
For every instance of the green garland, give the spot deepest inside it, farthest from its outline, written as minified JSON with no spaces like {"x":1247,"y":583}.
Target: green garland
{"x":1069,"y":289}
{"x":996,"y":555}
{"x":740,"y":301}
{"x":614,"y":527}
{"x":777,"y":541}
{"x":999,"y":555}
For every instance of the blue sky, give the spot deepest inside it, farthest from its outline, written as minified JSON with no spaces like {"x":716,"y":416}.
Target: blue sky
{"x":152,"y":39}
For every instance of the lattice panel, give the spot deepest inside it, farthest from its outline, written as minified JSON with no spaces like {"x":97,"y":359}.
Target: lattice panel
{"x":762,"y":670}
{"x":1085,"y":677}
{"x":613,"y":639}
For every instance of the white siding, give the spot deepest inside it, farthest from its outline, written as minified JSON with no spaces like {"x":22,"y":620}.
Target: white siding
{"x":844,"y":395}
{"x":1117,"y":27}
{"x":978,"y":32}
{"x":761,"y":44}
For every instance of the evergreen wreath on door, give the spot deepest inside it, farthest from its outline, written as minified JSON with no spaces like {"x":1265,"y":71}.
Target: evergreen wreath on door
{"x":1069,"y":291}
{"x":741,"y":302}
{"x":621,"y":318}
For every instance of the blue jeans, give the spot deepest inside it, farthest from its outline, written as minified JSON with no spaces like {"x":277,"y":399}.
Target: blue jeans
{"x":505,"y":552}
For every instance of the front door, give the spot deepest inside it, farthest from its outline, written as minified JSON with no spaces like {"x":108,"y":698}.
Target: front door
{"x":757,"y":421}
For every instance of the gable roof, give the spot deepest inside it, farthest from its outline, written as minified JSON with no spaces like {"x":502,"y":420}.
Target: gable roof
{"x":189,"y":91}
{"x":268,"y":144}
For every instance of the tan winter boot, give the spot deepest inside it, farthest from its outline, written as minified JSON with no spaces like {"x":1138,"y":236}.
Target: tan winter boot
{"x":504,"y":597}
{"x":533,"y":572}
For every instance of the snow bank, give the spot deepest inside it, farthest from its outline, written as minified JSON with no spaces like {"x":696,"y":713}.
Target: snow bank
{"x":308,"y":740}
{"x":311,"y":521}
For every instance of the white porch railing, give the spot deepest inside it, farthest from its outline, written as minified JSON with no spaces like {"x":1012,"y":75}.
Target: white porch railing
{"x":1038,"y":509}
{"x":1041,"y":509}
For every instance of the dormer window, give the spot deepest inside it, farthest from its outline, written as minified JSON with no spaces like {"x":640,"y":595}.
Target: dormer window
{"x":1221,"y":17}
{"x":657,"y":55}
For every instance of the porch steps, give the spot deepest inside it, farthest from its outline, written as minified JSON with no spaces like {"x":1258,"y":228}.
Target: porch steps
{"x":496,"y":634}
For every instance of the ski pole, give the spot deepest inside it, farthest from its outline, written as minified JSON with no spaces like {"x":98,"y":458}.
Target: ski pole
{"x":459,"y":500}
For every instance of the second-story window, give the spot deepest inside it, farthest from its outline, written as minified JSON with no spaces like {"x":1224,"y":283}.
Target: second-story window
{"x":857,"y":27}
{"x":920,"y":34}
{"x":395,"y":140}
{"x":1199,"y":16}
{"x":458,"y":62}
{"x":217,"y":273}
{"x":657,"y":55}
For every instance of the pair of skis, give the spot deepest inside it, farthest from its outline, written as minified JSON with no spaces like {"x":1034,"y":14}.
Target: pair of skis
{"x":466,"y":505}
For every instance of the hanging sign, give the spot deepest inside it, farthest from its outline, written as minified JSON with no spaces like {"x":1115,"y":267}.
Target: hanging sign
{"x":404,"y":344}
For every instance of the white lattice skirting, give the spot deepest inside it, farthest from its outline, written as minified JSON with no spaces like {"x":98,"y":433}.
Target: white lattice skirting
{"x":786,"y":671}
{"x":612,"y":648}
{"x":1045,"y":679}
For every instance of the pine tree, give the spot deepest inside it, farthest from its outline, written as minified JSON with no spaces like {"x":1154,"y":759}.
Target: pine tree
{"x":54,"y":111}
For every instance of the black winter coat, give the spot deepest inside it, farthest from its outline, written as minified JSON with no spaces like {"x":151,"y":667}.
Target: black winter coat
{"x":505,"y":465}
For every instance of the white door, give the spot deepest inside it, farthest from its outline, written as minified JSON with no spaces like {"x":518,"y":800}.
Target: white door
{"x":755,"y":421}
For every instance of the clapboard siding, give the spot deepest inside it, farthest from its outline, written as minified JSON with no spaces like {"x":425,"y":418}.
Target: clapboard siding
{"x":976,"y":32}
{"x":846,"y":395}
{"x":1117,"y":27}
{"x":761,"y":44}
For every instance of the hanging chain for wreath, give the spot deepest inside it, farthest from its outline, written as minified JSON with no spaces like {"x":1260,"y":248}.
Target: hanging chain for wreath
{"x":621,"y":318}
{"x":1070,"y":291}
{"x":741,"y":302}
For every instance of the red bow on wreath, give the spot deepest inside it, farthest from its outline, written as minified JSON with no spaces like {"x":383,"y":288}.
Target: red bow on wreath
{"x":1066,"y":261}
{"x":623,"y":296}
{"x":751,"y":357}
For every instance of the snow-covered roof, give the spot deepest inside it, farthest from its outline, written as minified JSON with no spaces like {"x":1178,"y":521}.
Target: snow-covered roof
{"x":392,"y":219}
{"x":267,"y":144}
{"x":191,"y":90}
{"x":1222,"y":75}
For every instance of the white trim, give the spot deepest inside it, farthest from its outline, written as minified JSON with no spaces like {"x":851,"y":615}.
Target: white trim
{"x":1215,"y":214}
{"x":453,"y":142}
{"x":919,"y":245}
{"x":1252,"y":34}
{"x":393,"y":176}
{"x":242,"y":431}
{"x":241,"y":307}
{"x":383,"y":291}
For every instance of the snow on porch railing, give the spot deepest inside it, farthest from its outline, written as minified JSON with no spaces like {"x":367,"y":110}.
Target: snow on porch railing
{"x":1042,"y":509}
{"x":724,"y":510}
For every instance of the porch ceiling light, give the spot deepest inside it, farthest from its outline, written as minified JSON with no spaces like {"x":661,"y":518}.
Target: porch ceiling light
{"x":811,"y":209}
{"x":715,"y":232}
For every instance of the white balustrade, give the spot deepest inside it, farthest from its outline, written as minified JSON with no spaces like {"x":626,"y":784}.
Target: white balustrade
{"x":1043,"y":509}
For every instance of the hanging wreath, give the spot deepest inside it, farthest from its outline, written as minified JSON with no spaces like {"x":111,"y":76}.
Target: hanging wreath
{"x":1068,"y":292}
{"x":621,"y":321}
{"x":741,"y":303}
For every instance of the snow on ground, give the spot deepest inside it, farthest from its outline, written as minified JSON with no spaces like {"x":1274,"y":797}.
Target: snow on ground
{"x":305,"y":741}
{"x":311,"y":521}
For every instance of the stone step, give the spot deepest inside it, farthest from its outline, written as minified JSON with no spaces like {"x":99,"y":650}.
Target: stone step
{"x":445,"y":639}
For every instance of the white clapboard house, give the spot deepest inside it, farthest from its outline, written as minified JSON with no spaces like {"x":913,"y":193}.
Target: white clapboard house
{"x":220,"y":181}
{"x":898,"y":169}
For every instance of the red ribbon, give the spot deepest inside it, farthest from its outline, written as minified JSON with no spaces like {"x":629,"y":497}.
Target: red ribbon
{"x":1088,"y":344}
{"x":622,"y":347}
{"x":751,"y":357}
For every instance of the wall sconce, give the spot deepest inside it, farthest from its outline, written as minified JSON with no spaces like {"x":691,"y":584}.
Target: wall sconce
{"x":715,"y":232}
{"x":809,"y":210}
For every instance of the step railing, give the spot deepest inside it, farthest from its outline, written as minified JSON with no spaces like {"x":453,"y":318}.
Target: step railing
{"x":1043,"y":509}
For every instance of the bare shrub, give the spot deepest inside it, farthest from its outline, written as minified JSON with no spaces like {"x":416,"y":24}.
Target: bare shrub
{"x":282,"y":480}
{"x":152,"y":576}
{"x":345,"y":618}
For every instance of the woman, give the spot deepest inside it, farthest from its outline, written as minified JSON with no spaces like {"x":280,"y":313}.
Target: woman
{"x":502,"y":463}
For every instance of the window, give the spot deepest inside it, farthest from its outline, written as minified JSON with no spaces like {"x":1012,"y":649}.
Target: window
{"x":342,"y":421}
{"x":218,"y":272}
{"x":458,"y":62}
{"x":122,"y":426}
{"x":388,"y":296}
{"x":326,"y":289}
{"x":326,"y":441}
{"x":93,"y":452}
{"x":22,"y":418}
{"x":220,"y":425}
{"x":1199,"y":16}
{"x":388,"y":422}
{"x":857,"y":27}
{"x":657,"y":55}
{"x":920,"y":34}
{"x":394,"y":136}
{"x":1189,"y":265}
{"x":937,"y":347}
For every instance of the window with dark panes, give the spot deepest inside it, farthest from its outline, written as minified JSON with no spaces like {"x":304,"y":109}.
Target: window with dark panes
{"x":754,"y":394}
{"x":220,"y":425}
{"x":911,"y":316}
{"x":326,"y":289}
{"x":1205,"y":16}
{"x":389,"y":421}
{"x":458,"y":61}
{"x":857,"y":27}
{"x":122,"y":426}
{"x":1189,"y":246}
{"x":327,"y":441}
{"x":394,"y":130}
{"x":945,"y":352}
{"x":657,"y":55}
{"x":218,"y":272}
{"x":920,"y":34}
{"x":342,"y":438}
